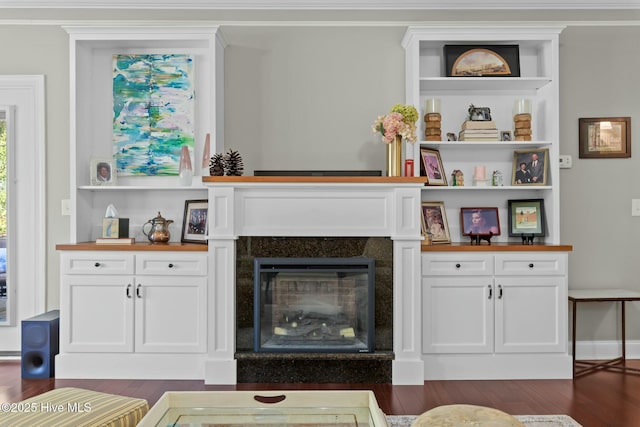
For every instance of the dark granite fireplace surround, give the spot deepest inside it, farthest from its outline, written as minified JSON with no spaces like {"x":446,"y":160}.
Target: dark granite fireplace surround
{"x":299,"y":367}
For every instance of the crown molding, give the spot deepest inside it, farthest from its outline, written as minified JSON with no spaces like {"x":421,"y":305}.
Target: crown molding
{"x":326,"y":4}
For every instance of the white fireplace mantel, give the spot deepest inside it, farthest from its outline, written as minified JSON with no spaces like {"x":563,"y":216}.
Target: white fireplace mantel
{"x":318,"y":207}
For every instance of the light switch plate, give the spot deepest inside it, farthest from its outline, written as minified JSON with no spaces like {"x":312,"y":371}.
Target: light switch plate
{"x":65,"y":207}
{"x":635,"y":207}
{"x":565,"y":161}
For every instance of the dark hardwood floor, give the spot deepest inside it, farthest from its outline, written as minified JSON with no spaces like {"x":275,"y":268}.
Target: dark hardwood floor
{"x":601,"y":399}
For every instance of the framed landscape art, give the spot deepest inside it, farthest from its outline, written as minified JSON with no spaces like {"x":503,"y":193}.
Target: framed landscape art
{"x":605,"y":137}
{"x":527,"y":217}
{"x":482,"y":60}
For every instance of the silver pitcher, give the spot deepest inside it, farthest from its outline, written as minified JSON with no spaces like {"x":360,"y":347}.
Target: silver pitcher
{"x":158,"y":231}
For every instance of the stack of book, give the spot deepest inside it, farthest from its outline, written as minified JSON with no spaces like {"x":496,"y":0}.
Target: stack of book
{"x":479,"y":130}
{"x":115,"y":241}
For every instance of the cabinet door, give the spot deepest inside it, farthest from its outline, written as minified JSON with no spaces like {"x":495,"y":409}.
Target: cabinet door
{"x":170,"y":314}
{"x":457,"y":314}
{"x":530,"y":314}
{"x":97,"y":313}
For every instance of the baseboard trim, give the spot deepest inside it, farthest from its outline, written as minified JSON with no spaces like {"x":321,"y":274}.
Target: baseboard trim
{"x":609,"y":349}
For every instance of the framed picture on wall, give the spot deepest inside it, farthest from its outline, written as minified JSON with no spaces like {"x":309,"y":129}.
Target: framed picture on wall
{"x":605,"y":137}
{"x":195,"y":221}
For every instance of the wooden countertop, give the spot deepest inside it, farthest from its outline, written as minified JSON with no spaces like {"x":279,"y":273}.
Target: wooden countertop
{"x":495,"y":247}
{"x":92,"y":246}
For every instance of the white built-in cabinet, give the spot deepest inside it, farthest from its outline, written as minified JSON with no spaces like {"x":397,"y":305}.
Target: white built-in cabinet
{"x":491,"y":313}
{"x":137,"y":311}
{"x":133,"y":302}
{"x":132,"y":314}
{"x":495,"y":315}
{"x":494,"y":303}
{"x":138,"y":198}
{"x":538,"y":82}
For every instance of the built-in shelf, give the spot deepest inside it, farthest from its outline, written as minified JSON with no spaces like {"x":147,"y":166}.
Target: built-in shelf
{"x":495,"y":144}
{"x":138,"y":188}
{"x":483,"y":83}
{"x":490,"y":188}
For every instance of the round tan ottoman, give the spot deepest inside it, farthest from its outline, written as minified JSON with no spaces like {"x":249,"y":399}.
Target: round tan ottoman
{"x":465,"y":415}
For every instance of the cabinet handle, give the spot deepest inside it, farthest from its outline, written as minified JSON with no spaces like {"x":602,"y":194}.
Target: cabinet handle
{"x":490,"y":292}
{"x":129,"y":291}
{"x":170,"y":265}
{"x":97,"y":264}
{"x":531,"y":265}
{"x":499,"y":291}
{"x":458,"y":266}
{"x":138,"y":292}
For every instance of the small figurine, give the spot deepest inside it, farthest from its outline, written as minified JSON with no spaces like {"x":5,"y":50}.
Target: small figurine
{"x":457,"y":178}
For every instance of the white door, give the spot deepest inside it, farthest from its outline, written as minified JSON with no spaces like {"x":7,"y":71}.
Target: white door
{"x":171,"y":314}
{"x":26,"y":272}
{"x":457,"y":314}
{"x":98,"y":313}
{"x":529,"y":317}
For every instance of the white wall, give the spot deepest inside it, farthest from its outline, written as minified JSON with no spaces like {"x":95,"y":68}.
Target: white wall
{"x":304,"y":97}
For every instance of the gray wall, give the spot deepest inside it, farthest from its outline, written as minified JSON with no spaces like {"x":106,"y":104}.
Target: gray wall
{"x":598,"y":79}
{"x":306,"y":96}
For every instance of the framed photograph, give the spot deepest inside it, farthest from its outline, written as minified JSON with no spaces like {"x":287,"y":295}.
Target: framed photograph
{"x":605,"y":137}
{"x":506,"y":135}
{"x":527,"y":217}
{"x":431,"y":166}
{"x":479,"y":221}
{"x":479,"y":114}
{"x":195,"y":221}
{"x":482,"y":60}
{"x":434,"y":221}
{"x":102,"y":172}
{"x":530,"y":167}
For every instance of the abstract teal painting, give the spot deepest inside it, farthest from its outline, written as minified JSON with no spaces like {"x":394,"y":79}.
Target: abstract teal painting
{"x":153,"y":104}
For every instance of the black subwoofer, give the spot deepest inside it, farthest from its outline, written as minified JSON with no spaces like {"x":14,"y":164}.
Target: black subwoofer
{"x":40,"y":344}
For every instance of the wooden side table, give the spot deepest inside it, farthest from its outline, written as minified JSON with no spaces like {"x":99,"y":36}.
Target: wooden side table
{"x":601,"y":295}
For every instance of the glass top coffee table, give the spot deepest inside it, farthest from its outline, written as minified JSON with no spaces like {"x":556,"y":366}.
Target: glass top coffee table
{"x":266,"y":409}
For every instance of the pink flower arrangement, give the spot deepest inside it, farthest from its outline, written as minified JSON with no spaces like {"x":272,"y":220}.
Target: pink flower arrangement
{"x":395,"y":123}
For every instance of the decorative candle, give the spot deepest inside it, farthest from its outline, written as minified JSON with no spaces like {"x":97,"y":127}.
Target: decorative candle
{"x":408,"y":167}
{"x":432,"y":106}
{"x":480,"y":172}
{"x":522,"y":106}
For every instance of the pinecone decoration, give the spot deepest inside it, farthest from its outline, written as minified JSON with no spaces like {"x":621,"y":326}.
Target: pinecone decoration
{"x":216,"y":165}
{"x":233,"y":163}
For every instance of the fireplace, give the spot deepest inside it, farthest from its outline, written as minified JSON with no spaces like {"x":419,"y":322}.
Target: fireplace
{"x":314,"y":305}
{"x":314,"y":217}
